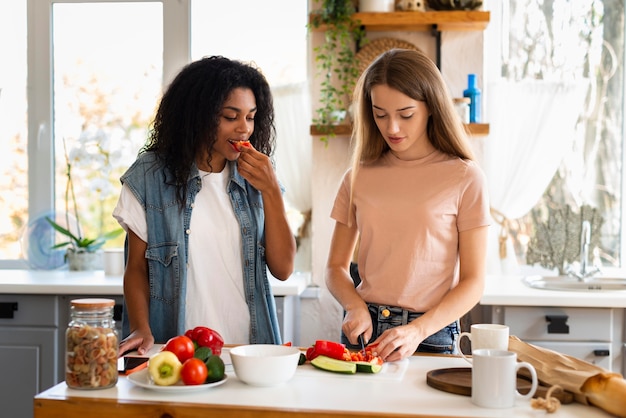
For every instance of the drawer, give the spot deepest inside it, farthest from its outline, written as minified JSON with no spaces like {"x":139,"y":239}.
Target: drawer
{"x":595,"y":353}
{"x":36,"y":310}
{"x":560,"y":324}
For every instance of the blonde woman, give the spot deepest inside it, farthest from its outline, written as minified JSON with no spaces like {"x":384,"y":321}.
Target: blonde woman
{"x":417,"y":203}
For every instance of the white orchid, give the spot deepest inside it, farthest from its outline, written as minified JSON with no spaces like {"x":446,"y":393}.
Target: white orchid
{"x":90,"y":161}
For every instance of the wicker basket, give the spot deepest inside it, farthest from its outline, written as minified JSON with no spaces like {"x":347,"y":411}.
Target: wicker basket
{"x":374,"y":48}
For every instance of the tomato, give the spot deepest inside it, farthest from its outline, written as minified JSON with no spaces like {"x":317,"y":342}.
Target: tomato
{"x":182,"y":346}
{"x":194,"y":372}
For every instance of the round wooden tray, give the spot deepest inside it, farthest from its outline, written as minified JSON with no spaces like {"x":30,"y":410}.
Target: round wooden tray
{"x":372,"y":49}
{"x":458,"y":380}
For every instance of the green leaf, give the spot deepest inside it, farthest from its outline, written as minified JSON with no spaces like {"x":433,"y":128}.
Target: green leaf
{"x":62,"y":230}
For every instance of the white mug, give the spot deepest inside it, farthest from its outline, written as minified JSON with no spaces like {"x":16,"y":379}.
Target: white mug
{"x":114,"y":262}
{"x":494,"y":336}
{"x":494,"y":378}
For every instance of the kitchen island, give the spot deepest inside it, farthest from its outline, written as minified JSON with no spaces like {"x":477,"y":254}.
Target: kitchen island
{"x":34,"y":313}
{"x":400,"y":389}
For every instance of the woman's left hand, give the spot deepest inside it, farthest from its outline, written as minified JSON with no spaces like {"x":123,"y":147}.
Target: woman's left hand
{"x":398,"y":343}
{"x":257,"y":169}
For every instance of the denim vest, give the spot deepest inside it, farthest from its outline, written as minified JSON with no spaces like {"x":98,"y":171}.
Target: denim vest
{"x":167,"y":254}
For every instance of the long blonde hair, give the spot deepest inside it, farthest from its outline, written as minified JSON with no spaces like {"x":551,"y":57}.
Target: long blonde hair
{"x":415,"y":75}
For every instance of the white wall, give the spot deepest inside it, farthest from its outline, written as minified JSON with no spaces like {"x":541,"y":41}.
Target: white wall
{"x":462,"y":53}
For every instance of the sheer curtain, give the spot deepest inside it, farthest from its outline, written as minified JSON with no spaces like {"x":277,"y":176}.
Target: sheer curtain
{"x":293,"y":160}
{"x":532,"y":125}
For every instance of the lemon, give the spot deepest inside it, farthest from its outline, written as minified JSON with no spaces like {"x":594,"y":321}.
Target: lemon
{"x":215,"y":368}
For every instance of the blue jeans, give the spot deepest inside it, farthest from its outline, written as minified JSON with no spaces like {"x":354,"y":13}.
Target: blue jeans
{"x":385,"y":317}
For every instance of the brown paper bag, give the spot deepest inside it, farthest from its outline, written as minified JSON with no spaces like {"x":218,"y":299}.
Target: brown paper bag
{"x":590,"y":384}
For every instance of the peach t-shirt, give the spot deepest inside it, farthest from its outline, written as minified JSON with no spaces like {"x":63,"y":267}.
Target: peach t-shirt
{"x":409,"y":215}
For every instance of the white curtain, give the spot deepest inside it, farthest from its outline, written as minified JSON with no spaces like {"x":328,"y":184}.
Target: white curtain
{"x":293,"y":157}
{"x":532,"y":125}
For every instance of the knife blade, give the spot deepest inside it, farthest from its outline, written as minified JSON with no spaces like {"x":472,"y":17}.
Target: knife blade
{"x":362,"y":342}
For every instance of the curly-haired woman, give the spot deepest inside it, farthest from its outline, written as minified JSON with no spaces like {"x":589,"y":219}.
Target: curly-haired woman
{"x":204,"y":214}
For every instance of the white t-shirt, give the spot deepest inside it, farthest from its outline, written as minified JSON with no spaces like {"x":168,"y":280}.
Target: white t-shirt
{"x":215,"y":294}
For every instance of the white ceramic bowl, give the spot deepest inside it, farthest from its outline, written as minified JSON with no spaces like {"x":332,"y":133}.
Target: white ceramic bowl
{"x":264,"y":364}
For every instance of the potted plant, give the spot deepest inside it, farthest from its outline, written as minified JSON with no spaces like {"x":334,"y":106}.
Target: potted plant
{"x":335,"y":60}
{"x":83,"y":253}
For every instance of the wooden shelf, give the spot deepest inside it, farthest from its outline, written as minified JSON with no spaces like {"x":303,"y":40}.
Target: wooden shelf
{"x":477,"y":129}
{"x":422,"y":21}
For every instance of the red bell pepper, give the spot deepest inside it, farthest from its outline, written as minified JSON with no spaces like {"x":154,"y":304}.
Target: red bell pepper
{"x":207,"y":337}
{"x":310,"y":353}
{"x":329,"y":349}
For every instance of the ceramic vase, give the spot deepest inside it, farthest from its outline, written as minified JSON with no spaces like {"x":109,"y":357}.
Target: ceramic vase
{"x":85,"y":260}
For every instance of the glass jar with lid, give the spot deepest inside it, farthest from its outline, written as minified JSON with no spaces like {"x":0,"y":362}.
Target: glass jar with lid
{"x":462,"y":106}
{"x":92,"y":346}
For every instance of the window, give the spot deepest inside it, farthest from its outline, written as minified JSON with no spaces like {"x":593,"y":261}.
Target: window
{"x":13,"y":128}
{"x":107,"y":81}
{"x":95,"y":71}
{"x":568,"y":57}
{"x":278,"y":45}
{"x":277,"y":42}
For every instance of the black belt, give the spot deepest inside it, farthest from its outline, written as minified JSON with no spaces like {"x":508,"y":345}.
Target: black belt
{"x":392,"y":314}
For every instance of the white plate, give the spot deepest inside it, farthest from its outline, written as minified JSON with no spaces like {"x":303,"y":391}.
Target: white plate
{"x":142,"y":378}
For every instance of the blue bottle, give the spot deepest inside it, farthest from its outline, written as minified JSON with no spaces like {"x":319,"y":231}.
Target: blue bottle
{"x":474,"y":95}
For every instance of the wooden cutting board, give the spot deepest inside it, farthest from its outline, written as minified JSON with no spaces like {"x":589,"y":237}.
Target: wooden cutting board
{"x":459,"y":380}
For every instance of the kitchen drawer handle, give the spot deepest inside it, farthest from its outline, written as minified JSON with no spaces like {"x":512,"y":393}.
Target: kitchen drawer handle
{"x":557,"y":324}
{"x":601,"y":353}
{"x":7,"y":309}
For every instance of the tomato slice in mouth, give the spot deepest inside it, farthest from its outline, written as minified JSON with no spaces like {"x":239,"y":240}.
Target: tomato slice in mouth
{"x":237,"y":145}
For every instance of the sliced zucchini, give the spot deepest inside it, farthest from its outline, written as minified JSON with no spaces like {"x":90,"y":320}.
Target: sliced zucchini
{"x":333,"y":365}
{"x":367,"y":367}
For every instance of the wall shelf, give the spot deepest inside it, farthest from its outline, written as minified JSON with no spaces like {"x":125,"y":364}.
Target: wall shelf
{"x":422,"y":21}
{"x":476,"y":129}
{"x":433,"y":21}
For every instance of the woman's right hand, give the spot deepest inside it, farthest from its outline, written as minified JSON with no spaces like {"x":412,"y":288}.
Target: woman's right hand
{"x":142,"y":341}
{"x":357,"y":321}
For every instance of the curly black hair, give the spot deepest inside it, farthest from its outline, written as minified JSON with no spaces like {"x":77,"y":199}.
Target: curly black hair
{"x":188,"y":116}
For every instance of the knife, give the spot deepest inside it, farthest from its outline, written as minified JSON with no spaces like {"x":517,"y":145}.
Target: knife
{"x":362,"y":342}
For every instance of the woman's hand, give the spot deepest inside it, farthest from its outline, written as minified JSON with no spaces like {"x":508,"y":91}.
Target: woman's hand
{"x":257,"y":169}
{"x":280,"y":244}
{"x":137,"y":340}
{"x":357,"y":321}
{"x":398,"y":343}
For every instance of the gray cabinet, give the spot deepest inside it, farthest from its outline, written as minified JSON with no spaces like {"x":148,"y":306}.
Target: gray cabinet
{"x":32,"y":347}
{"x":28,"y":350}
{"x":596,"y":335}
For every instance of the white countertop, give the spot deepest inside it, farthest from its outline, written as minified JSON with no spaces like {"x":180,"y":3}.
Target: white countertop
{"x":403,"y":392}
{"x":510,"y":291}
{"x":63,"y":282}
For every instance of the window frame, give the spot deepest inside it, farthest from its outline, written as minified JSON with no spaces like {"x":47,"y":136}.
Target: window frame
{"x":41,"y":165}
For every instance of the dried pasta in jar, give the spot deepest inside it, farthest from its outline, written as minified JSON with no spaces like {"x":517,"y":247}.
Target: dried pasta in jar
{"x":91,"y":348}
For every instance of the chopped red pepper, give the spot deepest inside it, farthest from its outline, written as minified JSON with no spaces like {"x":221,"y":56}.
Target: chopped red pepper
{"x":310,"y":353}
{"x":330,"y":349}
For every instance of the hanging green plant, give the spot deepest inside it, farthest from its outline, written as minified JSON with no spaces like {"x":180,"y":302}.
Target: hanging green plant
{"x":335,"y":61}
